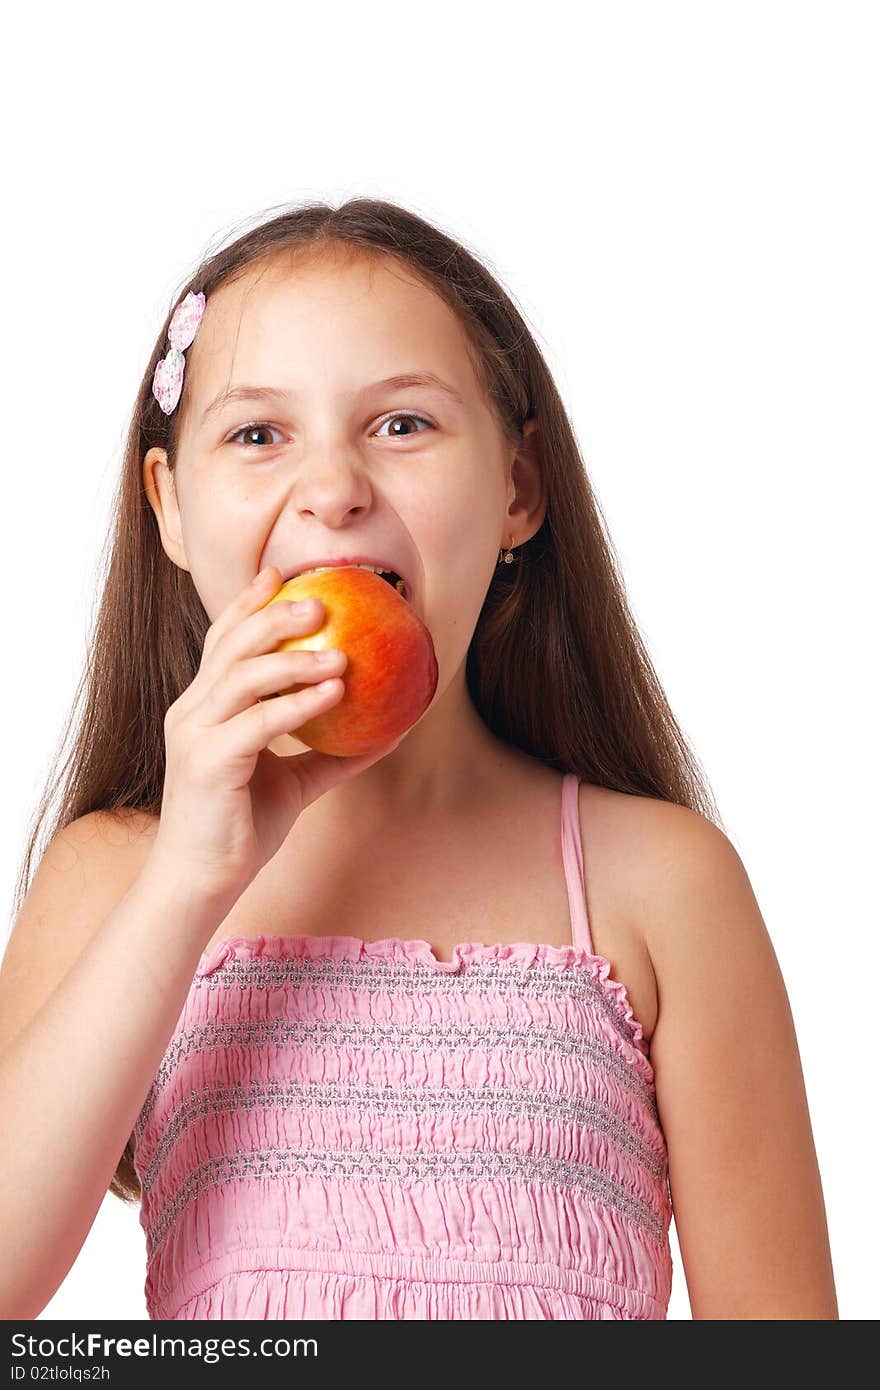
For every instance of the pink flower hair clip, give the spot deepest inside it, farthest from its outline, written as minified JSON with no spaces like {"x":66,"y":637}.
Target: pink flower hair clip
{"x":168,"y":376}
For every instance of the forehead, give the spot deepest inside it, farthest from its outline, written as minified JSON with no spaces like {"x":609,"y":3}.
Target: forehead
{"x":333,"y":322}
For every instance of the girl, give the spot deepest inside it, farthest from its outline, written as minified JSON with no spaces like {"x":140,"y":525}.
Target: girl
{"x":444,"y":1031}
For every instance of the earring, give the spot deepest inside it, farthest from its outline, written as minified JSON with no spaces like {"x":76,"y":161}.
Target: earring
{"x":508,"y":558}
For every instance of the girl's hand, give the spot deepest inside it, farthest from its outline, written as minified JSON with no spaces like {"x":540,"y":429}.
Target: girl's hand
{"x":229,"y":803}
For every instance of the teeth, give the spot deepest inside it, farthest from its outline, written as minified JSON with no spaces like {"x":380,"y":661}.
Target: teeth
{"x":400,"y":586}
{"x":374,"y":569}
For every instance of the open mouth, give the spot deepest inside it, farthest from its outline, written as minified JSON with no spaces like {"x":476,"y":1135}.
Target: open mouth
{"x":391,"y":577}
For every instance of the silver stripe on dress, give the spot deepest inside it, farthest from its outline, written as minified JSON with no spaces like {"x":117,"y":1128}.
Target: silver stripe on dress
{"x":352,"y":1033}
{"x":362,"y":1164}
{"x":407,"y":977}
{"x":503,"y":1102}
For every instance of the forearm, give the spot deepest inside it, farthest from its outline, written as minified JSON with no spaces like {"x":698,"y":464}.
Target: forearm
{"x":72,"y":1083}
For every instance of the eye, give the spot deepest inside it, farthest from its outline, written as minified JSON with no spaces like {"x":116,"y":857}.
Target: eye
{"x":259,"y":428}
{"x":420,"y":418}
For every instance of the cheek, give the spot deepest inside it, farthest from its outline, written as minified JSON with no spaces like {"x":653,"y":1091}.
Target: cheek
{"x":224,"y":550}
{"x":227,"y":514}
{"x":453,"y":599}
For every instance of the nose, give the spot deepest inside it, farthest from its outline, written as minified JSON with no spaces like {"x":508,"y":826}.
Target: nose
{"x":330,"y":483}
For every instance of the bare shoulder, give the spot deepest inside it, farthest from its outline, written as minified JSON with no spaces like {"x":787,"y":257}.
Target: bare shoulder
{"x":662,"y":856}
{"x":647,"y":823}
{"x":647,"y":863}
{"x":105,"y":847}
{"x":84,"y":871}
{"x":118,"y":827}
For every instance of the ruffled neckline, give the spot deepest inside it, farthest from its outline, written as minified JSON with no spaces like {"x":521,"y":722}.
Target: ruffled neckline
{"x":417,"y":951}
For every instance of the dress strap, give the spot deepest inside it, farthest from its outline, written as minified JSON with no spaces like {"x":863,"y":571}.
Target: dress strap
{"x":573,"y":863}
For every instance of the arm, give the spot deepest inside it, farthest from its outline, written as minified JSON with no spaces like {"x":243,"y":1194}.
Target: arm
{"x":89,"y":997}
{"x":745,"y":1183}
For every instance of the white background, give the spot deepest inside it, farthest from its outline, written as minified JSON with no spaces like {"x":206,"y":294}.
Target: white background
{"x":683,"y":201}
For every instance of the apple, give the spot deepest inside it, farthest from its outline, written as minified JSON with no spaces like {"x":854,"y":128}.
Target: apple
{"x":391,"y":674}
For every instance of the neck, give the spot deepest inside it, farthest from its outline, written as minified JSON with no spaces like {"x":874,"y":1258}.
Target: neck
{"x":445,"y":765}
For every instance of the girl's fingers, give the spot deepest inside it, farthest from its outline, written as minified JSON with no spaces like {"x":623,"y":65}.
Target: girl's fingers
{"x":258,"y":678}
{"x":246,"y":734}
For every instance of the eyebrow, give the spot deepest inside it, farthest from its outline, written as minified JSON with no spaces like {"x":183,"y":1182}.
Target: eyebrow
{"x":273,"y":394}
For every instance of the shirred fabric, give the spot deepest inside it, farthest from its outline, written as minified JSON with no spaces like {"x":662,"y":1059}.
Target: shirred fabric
{"x":346,"y":1129}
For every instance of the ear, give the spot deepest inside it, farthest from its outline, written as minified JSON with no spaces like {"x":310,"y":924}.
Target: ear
{"x":162,"y":494}
{"x":525,"y":488}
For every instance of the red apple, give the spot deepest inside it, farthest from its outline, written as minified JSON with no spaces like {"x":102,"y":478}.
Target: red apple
{"x":391,"y":675}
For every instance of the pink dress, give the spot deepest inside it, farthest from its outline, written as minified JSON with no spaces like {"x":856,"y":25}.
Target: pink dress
{"x":349,"y":1129}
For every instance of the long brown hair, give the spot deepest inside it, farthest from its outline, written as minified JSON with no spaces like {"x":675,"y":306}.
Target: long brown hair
{"x":595,"y":706}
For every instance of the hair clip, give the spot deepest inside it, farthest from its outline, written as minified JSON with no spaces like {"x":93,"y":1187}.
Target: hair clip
{"x":168,"y":376}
